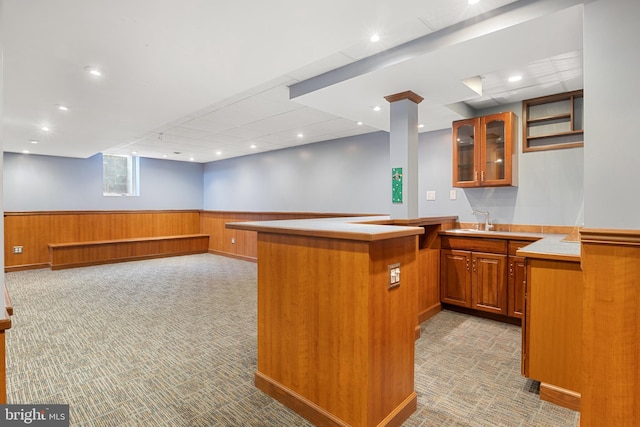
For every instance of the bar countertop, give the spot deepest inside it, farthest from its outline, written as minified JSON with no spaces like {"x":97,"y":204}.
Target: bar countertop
{"x":553,"y":247}
{"x":369,"y":228}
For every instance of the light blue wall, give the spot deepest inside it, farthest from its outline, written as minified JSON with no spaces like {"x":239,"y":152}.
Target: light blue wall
{"x":349,"y":175}
{"x":44,"y":183}
{"x":612,"y":149}
{"x":352,"y":175}
{"x":549,"y":191}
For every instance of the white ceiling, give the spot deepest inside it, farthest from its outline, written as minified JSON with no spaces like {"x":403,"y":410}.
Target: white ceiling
{"x":207,"y":80}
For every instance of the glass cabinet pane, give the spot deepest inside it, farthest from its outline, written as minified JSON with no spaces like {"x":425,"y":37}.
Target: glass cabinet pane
{"x":465,"y":148}
{"x":494,"y":150}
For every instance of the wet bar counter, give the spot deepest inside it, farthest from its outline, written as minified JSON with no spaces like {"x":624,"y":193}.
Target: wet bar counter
{"x":335,"y":337}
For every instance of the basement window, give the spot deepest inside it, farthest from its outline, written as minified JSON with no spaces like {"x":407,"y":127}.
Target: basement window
{"x":120,"y":175}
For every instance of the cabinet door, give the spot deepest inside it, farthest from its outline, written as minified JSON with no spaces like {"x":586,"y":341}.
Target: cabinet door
{"x":466,"y":153}
{"x":489,"y":282}
{"x":516,"y":286}
{"x":496,"y":132}
{"x":455,"y":277}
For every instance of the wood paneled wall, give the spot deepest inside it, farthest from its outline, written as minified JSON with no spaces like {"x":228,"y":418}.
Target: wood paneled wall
{"x":34,"y":231}
{"x":239,"y":243}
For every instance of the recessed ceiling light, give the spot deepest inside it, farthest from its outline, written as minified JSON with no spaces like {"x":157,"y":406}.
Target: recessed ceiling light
{"x":377,"y":108}
{"x":33,"y":141}
{"x":420,"y":126}
{"x":164,"y":155}
{"x":25,"y":151}
{"x":191,"y":159}
{"x":515,"y":78}
{"x":63,"y":107}
{"x":253,"y":146}
{"x":473,"y":1}
{"x":300,"y":135}
{"x":134,"y":152}
{"x":45,"y":128}
{"x":359,"y":123}
{"x":218,"y":153}
{"x":96,"y":72}
{"x":375,"y":38}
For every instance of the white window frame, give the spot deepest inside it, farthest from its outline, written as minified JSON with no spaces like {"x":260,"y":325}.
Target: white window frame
{"x":132,"y":178}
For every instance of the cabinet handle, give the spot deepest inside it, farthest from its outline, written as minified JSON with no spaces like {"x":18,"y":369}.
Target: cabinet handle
{"x":474,"y":266}
{"x":475,"y":175}
{"x":467,"y":265}
{"x":482,"y":176}
{"x":511,"y":269}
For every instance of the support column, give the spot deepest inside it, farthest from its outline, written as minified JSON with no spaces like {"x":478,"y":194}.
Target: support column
{"x":404,"y":154}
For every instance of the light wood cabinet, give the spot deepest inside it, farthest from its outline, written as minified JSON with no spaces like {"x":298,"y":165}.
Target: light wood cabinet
{"x":551,"y":333}
{"x":482,"y":150}
{"x":474,"y":273}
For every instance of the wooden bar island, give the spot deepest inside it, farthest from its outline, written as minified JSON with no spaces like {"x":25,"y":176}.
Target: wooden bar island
{"x":335,"y":337}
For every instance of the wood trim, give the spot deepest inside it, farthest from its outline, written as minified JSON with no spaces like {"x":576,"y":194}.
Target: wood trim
{"x":560,"y":396}
{"x":429,"y":312}
{"x":25,"y":267}
{"x":282,"y":215}
{"x":296,"y":402}
{"x":132,"y":212}
{"x":118,"y":241}
{"x":318,"y":415}
{"x":552,"y":98}
{"x":554,"y":146}
{"x":610,"y":237}
{"x":411,"y":96}
{"x":236,"y":256}
{"x":5,"y":321}
{"x":7,"y":301}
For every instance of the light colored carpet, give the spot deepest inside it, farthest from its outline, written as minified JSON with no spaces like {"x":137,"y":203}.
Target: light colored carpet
{"x":172,"y":342}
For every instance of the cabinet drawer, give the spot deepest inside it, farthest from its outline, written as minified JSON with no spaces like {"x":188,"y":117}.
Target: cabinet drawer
{"x":514,"y":245}
{"x":474,"y":244}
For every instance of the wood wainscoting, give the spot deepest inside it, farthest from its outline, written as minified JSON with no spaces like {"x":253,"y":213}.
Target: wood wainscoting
{"x":243,"y":244}
{"x":35,"y":231}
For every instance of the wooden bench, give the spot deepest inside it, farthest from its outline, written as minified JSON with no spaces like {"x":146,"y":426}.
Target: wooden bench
{"x":80,"y":254}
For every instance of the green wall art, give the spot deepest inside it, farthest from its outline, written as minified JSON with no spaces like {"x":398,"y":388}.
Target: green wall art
{"x":396,"y":185}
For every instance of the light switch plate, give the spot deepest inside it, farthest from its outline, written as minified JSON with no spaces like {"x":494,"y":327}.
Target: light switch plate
{"x":431,"y":195}
{"x":453,"y":194}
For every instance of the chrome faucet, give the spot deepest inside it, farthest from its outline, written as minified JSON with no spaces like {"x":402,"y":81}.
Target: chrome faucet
{"x":487,"y":223}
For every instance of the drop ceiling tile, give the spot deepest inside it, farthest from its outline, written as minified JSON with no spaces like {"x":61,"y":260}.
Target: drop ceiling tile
{"x":293,"y":121}
{"x":390,"y":38}
{"x":187,"y":132}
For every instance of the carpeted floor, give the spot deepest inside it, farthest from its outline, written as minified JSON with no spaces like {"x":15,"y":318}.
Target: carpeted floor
{"x":172,"y":342}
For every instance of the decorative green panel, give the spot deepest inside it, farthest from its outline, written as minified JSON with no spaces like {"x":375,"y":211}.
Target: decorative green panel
{"x":396,"y":185}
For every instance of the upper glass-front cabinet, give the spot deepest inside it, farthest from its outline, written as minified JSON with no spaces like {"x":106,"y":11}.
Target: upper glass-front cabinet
{"x":482,"y":151}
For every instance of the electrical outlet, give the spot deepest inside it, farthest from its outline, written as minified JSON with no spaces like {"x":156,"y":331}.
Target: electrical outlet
{"x":233,"y":240}
{"x":394,"y":276}
{"x":17,"y":249}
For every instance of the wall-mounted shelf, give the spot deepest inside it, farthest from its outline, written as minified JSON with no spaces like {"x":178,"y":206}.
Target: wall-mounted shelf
{"x":553,"y":122}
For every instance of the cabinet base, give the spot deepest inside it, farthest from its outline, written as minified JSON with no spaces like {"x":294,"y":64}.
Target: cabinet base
{"x":320,"y":416}
{"x":560,"y":396}
{"x":484,"y":314}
